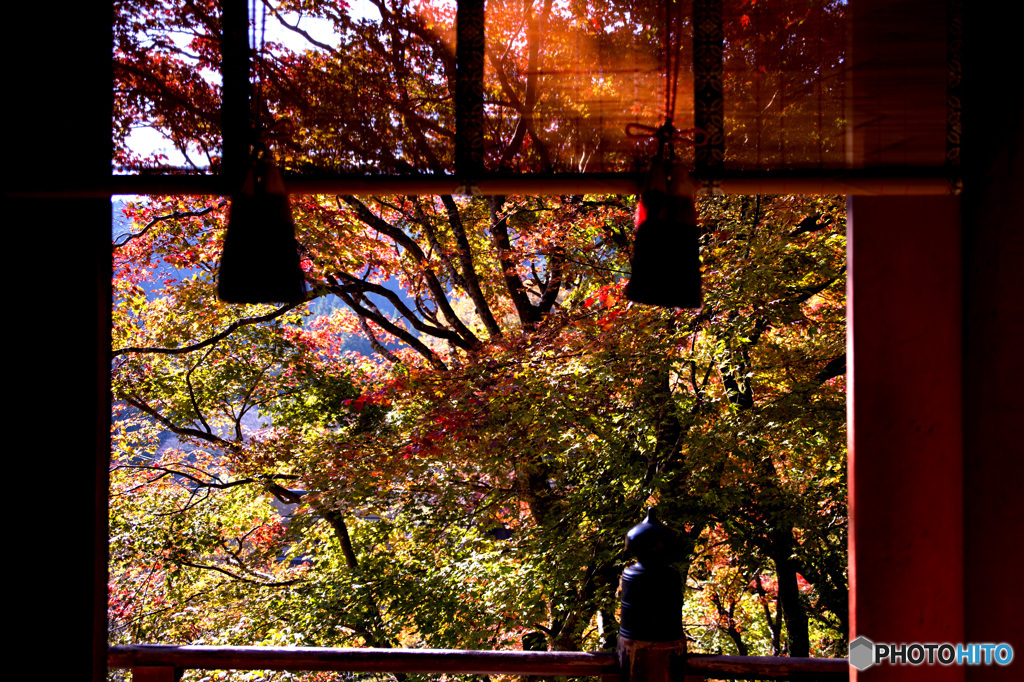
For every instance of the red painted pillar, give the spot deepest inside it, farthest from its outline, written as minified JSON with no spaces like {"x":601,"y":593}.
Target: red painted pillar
{"x":993,"y":203}
{"x":904,"y":403}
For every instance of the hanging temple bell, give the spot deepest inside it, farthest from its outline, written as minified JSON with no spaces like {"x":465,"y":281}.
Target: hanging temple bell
{"x":666,"y":250}
{"x":260,"y":262}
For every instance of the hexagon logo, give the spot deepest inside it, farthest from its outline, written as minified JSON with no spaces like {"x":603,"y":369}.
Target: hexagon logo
{"x":862,"y":653}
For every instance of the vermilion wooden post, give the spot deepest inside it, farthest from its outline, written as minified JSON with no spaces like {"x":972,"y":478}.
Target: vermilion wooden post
{"x":152,"y":673}
{"x":904,"y":403}
{"x":653,"y":661}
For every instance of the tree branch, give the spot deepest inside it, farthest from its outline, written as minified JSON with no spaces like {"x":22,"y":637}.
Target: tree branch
{"x":192,"y":393}
{"x":528,"y":315}
{"x":240,"y":578}
{"x":346,"y":295}
{"x":139,"y":404}
{"x":525,"y":108}
{"x":364,"y":214}
{"x":363,"y":286}
{"x":237,"y":324}
{"x":469,"y":276}
{"x":170,"y":216}
{"x":556,"y":262}
{"x":218,"y":485}
{"x":798,"y":296}
{"x":295,"y":28}
{"x":375,"y":342}
{"x":834,"y":368}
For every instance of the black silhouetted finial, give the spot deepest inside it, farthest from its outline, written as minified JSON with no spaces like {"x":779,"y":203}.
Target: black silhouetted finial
{"x":652,"y":597}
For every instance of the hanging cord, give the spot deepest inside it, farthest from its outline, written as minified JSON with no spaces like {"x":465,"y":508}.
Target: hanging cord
{"x":667,"y":134}
{"x":673,"y":42}
{"x":259,"y":146}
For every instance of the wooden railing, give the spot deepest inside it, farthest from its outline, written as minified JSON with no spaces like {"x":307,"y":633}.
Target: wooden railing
{"x":651,"y":644}
{"x":151,"y":663}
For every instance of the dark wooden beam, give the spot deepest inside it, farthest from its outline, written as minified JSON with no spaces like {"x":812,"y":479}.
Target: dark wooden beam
{"x":59,"y":117}
{"x":469,"y":90}
{"x":708,"y":76}
{"x":236,"y":125}
{"x":864,"y":182}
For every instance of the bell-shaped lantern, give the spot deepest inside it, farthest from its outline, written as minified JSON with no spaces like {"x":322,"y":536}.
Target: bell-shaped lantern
{"x":260,"y":261}
{"x":666,"y":248}
{"x":651,"y":589}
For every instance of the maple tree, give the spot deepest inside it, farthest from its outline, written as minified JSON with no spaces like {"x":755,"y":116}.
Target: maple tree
{"x":469,"y":483}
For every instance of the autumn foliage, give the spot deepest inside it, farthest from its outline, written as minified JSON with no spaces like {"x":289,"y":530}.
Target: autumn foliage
{"x":466,"y":478}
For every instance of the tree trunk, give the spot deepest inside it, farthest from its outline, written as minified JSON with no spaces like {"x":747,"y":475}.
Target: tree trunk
{"x":793,"y":612}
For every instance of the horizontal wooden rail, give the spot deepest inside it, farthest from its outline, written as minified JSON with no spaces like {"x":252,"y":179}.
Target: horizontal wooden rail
{"x":906,"y":181}
{"x":766,"y":667}
{"x":564,"y":663}
{"x":567,"y":663}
